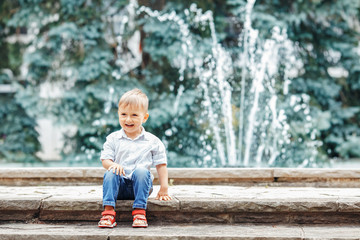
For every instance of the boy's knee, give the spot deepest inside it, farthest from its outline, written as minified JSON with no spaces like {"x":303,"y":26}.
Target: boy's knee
{"x":109,"y":175}
{"x":141,"y":173}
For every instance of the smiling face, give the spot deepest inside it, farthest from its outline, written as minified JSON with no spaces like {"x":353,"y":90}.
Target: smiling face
{"x":131,"y":119}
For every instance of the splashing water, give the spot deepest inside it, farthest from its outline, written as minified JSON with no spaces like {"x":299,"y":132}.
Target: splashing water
{"x":262,"y":125}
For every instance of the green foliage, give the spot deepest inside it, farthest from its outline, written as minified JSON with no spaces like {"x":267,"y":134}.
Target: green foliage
{"x":19,"y":139}
{"x":76,"y":47}
{"x":333,"y":43}
{"x":18,"y":136}
{"x":349,"y":148}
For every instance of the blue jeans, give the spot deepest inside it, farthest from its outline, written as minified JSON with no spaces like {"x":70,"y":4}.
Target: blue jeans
{"x":138,"y":188}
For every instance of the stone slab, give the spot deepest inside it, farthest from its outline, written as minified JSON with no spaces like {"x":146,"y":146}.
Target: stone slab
{"x":19,"y":203}
{"x":51,"y":232}
{"x":211,"y":231}
{"x":226,"y":176}
{"x":179,"y":231}
{"x":331,"y":232}
{"x":76,"y":208}
{"x":175,"y":173}
{"x":192,"y":203}
{"x":19,"y":208}
{"x":258,"y":205}
{"x":62,"y":172}
{"x":50,"y":176}
{"x":219,"y":173}
{"x":316,"y":173}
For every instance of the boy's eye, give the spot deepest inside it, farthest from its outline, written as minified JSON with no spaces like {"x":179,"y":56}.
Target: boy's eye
{"x":135,"y":115}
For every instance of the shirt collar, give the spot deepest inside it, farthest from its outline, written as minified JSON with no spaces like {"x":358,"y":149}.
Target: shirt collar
{"x":122,"y":134}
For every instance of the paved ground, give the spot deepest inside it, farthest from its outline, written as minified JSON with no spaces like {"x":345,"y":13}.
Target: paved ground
{"x":179,"y":231}
{"x":305,"y":177}
{"x":187,"y":191}
{"x":197,"y":211}
{"x":50,"y":202}
{"x":196,"y":203}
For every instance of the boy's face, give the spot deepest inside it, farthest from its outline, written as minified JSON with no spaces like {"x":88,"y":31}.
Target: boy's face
{"x":131,"y":119}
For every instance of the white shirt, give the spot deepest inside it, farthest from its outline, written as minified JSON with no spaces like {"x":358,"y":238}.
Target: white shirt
{"x":146,"y":151}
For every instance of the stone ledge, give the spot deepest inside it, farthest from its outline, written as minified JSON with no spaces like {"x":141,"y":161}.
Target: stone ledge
{"x":196,"y":204}
{"x":19,"y":208}
{"x":178,"y":231}
{"x":309,"y":177}
{"x":316,"y":173}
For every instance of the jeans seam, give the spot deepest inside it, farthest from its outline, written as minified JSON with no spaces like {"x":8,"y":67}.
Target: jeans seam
{"x":109,"y":203}
{"x":116,"y":193}
{"x":139,"y":206}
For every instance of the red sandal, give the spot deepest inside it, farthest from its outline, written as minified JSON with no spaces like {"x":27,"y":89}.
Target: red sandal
{"x":139,"y":214}
{"x":108,"y":215}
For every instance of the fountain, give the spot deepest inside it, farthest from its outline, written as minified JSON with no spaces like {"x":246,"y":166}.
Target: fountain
{"x":253,"y":107}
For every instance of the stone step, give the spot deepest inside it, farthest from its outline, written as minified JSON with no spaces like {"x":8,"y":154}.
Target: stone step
{"x":178,"y":231}
{"x":191,"y":204}
{"x":309,"y":177}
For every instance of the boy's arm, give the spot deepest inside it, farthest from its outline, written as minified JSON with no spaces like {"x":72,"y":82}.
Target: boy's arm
{"x":163,"y":177}
{"x":107,"y":156}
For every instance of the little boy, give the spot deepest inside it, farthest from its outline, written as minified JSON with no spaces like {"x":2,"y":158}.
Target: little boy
{"x":128,"y":155}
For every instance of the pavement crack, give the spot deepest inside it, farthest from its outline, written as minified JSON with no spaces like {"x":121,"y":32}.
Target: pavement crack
{"x":338,"y":204}
{"x":37,"y":214}
{"x":46,"y":198}
{"x":302,"y":232}
{"x":108,"y":236}
{"x":174,"y":197}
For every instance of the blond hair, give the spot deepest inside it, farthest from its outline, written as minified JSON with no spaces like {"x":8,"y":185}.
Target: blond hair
{"x":135,"y":98}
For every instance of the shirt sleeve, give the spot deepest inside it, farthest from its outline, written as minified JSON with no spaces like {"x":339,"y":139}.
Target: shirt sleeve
{"x":108,"y":150}
{"x":159,"y":154}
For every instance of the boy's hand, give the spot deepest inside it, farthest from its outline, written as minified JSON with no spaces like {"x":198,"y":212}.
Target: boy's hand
{"x":117,"y":168}
{"x":163,"y":195}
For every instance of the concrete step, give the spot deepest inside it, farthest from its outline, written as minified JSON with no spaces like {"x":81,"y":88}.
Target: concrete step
{"x":309,"y":177}
{"x":178,"y":231}
{"x":192,"y":204}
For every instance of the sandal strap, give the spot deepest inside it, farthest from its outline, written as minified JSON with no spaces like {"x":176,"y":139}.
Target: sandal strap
{"x":139,"y":217}
{"x":109,"y":212}
{"x":139,"y":211}
{"x":107,"y":218}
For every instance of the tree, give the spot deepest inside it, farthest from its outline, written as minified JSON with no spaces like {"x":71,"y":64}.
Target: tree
{"x":188,"y":58}
{"x":18,"y":136}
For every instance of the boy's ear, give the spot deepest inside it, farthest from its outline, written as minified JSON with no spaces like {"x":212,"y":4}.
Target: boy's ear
{"x":146,"y":117}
